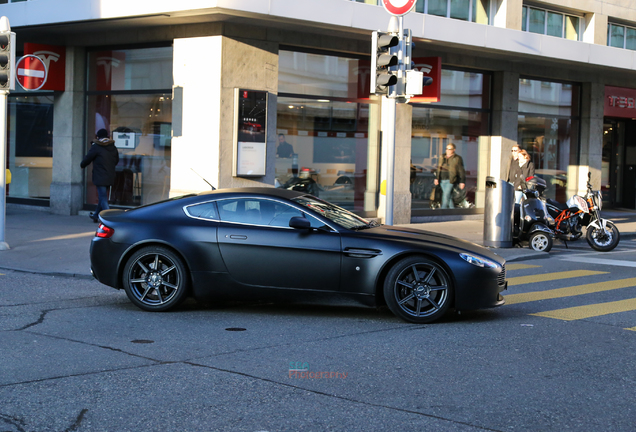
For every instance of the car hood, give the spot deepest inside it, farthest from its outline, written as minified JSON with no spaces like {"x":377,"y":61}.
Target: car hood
{"x":411,"y":234}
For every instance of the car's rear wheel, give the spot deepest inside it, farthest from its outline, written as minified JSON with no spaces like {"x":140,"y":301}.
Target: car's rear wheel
{"x":418,"y":290}
{"x":155,"y":279}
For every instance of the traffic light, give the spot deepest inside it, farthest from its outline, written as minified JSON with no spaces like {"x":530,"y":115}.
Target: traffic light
{"x":7,"y":56}
{"x":381,"y":60}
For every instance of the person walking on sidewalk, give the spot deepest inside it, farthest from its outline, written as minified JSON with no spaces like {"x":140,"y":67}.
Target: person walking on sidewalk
{"x":523,"y":168}
{"x":450,"y":173}
{"x":104,"y":156}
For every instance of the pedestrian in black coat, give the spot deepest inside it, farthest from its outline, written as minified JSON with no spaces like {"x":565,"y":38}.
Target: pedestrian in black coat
{"x":104,"y":156}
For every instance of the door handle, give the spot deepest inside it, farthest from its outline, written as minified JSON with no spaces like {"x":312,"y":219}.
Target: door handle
{"x":238,"y":237}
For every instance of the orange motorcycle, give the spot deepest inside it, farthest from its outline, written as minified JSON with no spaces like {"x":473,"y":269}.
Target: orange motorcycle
{"x":570,"y":218}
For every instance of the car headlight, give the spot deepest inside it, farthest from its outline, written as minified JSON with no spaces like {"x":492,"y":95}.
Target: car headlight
{"x":478,"y":261}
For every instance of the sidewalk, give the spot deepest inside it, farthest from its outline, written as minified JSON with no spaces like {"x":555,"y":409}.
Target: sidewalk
{"x":41,"y":242}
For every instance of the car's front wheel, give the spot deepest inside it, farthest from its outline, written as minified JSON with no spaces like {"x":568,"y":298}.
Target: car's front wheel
{"x":155,"y":279}
{"x":418,"y":290}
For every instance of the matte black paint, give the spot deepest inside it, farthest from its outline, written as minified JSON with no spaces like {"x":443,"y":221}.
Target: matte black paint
{"x":228,"y":260}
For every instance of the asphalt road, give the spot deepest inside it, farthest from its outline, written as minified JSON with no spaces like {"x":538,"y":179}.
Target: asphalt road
{"x":77,"y":356}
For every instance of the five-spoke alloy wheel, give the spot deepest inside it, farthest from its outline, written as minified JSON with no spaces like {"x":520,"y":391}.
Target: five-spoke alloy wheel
{"x":540,"y":241}
{"x":155,"y":279}
{"x":418,"y":290}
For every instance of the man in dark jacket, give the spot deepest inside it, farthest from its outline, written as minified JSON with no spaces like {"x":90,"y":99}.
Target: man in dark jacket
{"x":450,"y":173}
{"x":104,"y":156}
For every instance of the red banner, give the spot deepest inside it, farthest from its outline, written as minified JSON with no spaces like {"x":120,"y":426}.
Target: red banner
{"x":54,"y":58}
{"x":620,"y":102}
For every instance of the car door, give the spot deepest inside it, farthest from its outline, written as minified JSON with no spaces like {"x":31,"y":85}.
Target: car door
{"x":259,"y":248}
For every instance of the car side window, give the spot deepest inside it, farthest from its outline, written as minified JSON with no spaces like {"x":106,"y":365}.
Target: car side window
{"x":265,"y":212}
{"x":203,"y":211}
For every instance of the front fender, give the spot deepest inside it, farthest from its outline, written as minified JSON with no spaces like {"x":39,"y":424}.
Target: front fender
{"x":540,"y":227}
{"x":602,"y":225}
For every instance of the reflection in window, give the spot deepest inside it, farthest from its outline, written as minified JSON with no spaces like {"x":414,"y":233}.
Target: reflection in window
{"x":621,"y":36}
{"x":329,"y":149}
{"x":548,"y":128}
{"x":30,"y":145}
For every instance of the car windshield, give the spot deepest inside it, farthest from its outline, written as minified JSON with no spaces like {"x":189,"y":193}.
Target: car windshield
{"x":342,"y":217}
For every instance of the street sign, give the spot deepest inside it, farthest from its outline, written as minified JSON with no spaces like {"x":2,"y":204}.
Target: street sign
{"x":31,"y":72}
{"x":398,"y":7}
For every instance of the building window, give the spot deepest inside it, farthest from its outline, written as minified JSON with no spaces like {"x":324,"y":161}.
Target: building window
{"x":467,"y":10}
{"x":460,"y":117}
{"x":548,"y":129}
{"x":323,"y":130}
{"x":30,"y":145}
{"x":620,"y":36}
{"x":130,"y":96}
{"x":551,"y":23}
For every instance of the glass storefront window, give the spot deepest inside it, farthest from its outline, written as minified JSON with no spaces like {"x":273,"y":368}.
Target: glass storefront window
{"x":131,"y":69}
{"x":323,"y":129}
{"x":30,"y":145}
{"x":328,"y":153}
{"x":460,"y":118}
{"x":136,"y":109}
{"x":548,"y":129}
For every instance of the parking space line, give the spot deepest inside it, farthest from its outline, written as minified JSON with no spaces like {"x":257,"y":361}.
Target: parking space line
{"x":520,"y":280}
{"x":520,"y":266}
{"x":570,"y":291}
{"x":589,"y":311}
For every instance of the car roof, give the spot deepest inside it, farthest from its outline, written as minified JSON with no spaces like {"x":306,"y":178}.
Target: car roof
{"x":269,"y":191}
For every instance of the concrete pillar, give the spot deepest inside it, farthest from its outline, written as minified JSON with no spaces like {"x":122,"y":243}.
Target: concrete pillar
{"x":595,"y":29}
{"x":402,"y":182}
{"x":508,"y":14}
{"x":505,"y":104}
{"x":67,"y":193}
{"x":591,"y":147}
{"x":206,"y":71}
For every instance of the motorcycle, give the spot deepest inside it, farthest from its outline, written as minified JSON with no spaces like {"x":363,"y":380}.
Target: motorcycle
{"x":531,"y":218}
{"x":602,"y":235}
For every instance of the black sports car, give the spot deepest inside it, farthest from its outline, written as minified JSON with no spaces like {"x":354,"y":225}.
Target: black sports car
{"x":260,"y":242}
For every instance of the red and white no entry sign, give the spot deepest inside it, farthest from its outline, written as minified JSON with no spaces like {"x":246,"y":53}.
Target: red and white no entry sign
{"x":31,"y":72}
{"x":398,"y":7}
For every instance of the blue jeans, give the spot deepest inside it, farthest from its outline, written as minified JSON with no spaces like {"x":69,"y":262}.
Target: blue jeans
{"x":102,"y":200}
{"x":447,"y":194}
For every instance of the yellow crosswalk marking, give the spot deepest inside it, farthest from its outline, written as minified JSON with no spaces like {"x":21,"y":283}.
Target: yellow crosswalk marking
{"x":520,"y":280}
{"x":631,"y":328}
{"x":589,"y":311}
{"x":520,"y":266}
{"x":569,"y":291}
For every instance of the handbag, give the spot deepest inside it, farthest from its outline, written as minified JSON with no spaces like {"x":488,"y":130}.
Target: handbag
{"x":458,"y":195}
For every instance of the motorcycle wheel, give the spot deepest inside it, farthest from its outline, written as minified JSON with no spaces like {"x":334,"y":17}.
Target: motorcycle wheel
{"x":603,"y":241}
{"x":540,"y":241}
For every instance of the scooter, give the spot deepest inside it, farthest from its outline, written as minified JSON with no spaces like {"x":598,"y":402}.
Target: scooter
{"x":602,"y":235}
{"x":531,"y":218}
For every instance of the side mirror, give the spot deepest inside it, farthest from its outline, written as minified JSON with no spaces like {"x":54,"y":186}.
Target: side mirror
{"x":299,"y":222}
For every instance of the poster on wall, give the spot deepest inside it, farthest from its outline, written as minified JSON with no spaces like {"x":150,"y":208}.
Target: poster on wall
{"x":54,"y":58}
{"x":250,"y":132}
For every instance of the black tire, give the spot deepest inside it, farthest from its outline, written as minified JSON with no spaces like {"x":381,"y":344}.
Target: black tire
{"x":603,"y":241}
{"x":155,"y":279}
{"x":540,"y":241}
{"x":418,"y":290}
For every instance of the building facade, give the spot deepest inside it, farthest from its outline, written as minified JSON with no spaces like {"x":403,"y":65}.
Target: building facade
{"x":234,"y":93}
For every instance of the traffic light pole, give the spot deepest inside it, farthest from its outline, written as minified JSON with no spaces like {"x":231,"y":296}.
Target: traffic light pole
{"x":389,"y":105}
{"x":3,"y":166}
